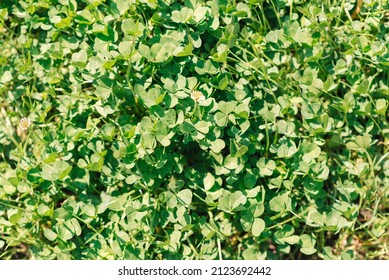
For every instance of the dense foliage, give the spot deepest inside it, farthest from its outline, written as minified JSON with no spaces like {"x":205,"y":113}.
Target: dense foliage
{"x":194,"y":129}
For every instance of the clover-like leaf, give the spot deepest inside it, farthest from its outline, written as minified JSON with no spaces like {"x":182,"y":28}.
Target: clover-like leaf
{"x":231,"y":202}
{"x":133,"y":28}
{"x":57,"y":171}
{"x":307,"y":243}
{"x":185,"y":197}
{"x":360,"y":143}
{"x":266,"y":168}
{"x":209,"y":181}
{"x":207,"y":67}
{"x":281,"y":203}
{"x":217,"y":145}
{"x":285,"y":236}
{"x":310,"y":151}
{"x":49,"y":234}
{"x":183,"y":15}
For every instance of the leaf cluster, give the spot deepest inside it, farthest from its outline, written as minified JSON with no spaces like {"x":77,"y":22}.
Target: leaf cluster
{"x":194,"y":129}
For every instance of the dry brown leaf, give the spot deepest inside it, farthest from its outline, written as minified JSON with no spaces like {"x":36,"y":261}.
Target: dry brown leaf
{"x":357,"y":9}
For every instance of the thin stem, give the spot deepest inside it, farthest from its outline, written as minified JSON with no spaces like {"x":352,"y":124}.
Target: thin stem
{"x":219,"y":247}
{"x":297,"y":216}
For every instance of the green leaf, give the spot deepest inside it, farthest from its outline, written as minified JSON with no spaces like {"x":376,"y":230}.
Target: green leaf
{"x":381,"y":106}
{"x":44,"y":210}
{"x":231,"y":162}
{"x":328,"y":255}
{"x":188,"y":127}
{"x":308,"y":77}
{"x":185,"y":196}
{"x":14,"y":215}
{"x":202,"y":127}
{"x":207,"y":67}
{"x":89,"y":210}
{"x":57,"y":171}
{"x":152,"y":97}
{"x":335,"y":221}
{"x":246,"y":221}
{"x":199,"y":14}
{"x":64,"y":232}
{"x":182,"y":16}
{"x":217,"y":145}
{"x":275,"y":36}
{"x":363,"y":87}
{"x":221,"y":119}
{"x":241,"y":151}
{"x":161,"y":133}
{"x":242,"y":111}
{"x":281,"y":203}
{"x":7,"y":186}
{"x":108,"y":131}
{"x":285,"y":148}
{"x":126,"y":48}
{"x":209,"y":181}
{"x":228,"y":107}
{"x":266,"y":169}
{"x":303,"y":36}
{"x":250,"y":180}
{"x":187,"y":50}
{"x":231,"y":202}
{"x":307,"y":243}
{"x":360,"y":143}
{"x":285,"y":236}
{"x":132,"y":28}
{"x":310,"y":151}
{"x":104,"y":110}
{"x":329,"y":84}
{"x":49,"y":234}
{"x":258,"y":227}
{"x":6,"y":77}
{"x":169,"y":198}
{"x":159,"y":53}
{"x":80,"y":58}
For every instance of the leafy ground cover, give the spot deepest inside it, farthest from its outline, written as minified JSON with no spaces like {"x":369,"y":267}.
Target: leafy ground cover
{"x":194,"y":129}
